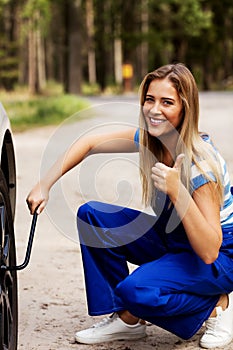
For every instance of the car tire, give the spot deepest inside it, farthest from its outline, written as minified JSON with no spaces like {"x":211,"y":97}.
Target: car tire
{"x":8,"y":277}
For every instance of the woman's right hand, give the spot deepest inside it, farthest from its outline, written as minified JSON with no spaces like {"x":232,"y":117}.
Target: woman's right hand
{"x":38,"y":198}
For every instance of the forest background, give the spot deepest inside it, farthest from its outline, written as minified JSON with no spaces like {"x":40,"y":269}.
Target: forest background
{"x":96,"y":46}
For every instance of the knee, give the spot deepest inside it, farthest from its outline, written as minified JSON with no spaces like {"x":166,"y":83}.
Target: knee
{"x":137,"y":293}
{"x":128,"y":292}
{"x":85,"y":219}
{"x":91,"y":224}
{"x":85,"y":210}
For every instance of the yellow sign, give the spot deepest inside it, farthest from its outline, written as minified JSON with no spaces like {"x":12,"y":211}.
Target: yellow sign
{"x":127,"y":71}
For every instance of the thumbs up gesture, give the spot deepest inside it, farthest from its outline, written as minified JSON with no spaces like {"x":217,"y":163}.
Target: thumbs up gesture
{"x":178,"y":162}
{"x":167,"y":179}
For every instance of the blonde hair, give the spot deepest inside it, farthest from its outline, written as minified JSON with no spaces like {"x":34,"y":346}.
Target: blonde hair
{"x":190,"y":142}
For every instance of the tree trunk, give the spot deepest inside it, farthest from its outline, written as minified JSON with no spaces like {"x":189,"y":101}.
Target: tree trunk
{"x":118,"y":61}
{"x":23,"y":63}
{"x":144,"y":44}
{"x":118,"y":54}
{"x":40,"y":61}
{"x":101,"y":45}
{"x":9,"y":45}
{"x":227,"y":48}
{"x":36,"y":49}
{"x":75,"y":48}
{"x":90,"y":41}
{"x":32,"y":66}
{"x":65,"y":61}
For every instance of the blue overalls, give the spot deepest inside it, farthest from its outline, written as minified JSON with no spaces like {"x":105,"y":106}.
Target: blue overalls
{"x":171,"y":287}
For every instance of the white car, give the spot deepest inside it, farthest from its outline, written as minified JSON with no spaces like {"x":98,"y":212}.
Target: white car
{"x":8,"y":276}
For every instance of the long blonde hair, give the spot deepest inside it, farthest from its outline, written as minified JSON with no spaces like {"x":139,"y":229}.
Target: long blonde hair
{"x":189,"y":142}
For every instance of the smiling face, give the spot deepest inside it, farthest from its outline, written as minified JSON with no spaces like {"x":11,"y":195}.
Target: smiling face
{"x":162,"y":109}
{"x":168,"y":120}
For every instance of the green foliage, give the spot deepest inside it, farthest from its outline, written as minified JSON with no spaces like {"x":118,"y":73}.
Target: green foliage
{"x":37,"y":14}
{"x":196,"y":32}
{"x":191,"y":17}
{"x":2,"y":4}
{"x":39,"y":111}
{"x":183,"y":17}
{"x":8,"y":63}
{"x":91,"y":89}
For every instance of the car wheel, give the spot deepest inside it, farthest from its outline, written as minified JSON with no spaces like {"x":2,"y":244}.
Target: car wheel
{"x":8,"y":277}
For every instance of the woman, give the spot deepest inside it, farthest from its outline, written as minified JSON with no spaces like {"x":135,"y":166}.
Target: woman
{"x":184,"y":253}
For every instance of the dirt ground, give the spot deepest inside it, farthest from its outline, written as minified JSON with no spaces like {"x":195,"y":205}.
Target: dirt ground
{"x":52,"y":304}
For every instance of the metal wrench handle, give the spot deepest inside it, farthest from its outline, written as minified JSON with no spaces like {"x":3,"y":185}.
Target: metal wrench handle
{"x":29,"y":246}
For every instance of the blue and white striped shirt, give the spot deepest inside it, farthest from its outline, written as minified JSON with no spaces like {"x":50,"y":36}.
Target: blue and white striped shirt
{"x":197,"y":180}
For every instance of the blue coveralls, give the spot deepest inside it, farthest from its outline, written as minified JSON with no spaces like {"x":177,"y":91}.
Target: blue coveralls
{"x":171,"y":287}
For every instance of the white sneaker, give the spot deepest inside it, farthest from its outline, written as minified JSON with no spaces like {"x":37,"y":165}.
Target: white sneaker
{"x":111,"y":328}
{"x":219,"y":329}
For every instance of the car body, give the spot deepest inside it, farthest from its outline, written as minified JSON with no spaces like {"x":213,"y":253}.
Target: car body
{"x":7,"y":163}
{"x":8,"y":276}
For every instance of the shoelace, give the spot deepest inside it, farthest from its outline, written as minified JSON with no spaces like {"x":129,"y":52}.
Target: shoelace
{"x":104,"y":322}
{"x":211,"y":324}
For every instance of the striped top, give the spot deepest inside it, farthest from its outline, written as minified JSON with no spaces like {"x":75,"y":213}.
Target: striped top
{"x":198,"y":180}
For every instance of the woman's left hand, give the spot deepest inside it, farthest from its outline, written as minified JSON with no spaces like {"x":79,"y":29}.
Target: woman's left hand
{"x":167,"y":179}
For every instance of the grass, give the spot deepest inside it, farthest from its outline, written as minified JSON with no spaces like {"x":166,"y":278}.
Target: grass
{"x":27,"y":112}
{"x":50,"y":108}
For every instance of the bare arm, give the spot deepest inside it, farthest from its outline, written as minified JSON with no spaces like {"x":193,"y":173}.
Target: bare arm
{"x":200,"y":216}
{"x":200,"y":213}
{"x":120,"y":141}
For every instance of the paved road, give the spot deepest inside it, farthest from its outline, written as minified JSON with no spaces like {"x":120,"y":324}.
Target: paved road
{"x":51,"y":290}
